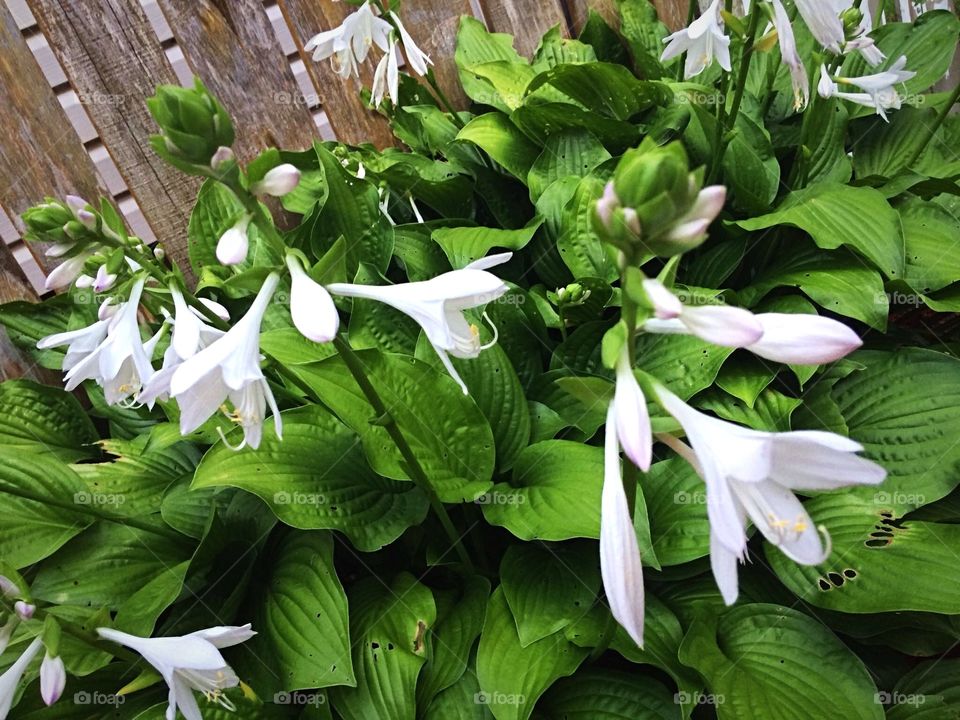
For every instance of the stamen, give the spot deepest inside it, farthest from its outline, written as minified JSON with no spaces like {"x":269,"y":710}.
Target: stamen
{"x":493,"y":329}
{"x":235,"y":448}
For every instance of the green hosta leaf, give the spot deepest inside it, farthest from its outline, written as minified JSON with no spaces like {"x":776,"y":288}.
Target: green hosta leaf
{"x":573,"y":153}
{"x":750,"y":166}
{"x":39,"y":512}
{"x":605,"y":88}
{"x":828,"y":161}
{"x":886,"y":148}
{"x":745,"y":377}
{"x":460,"y":613}
{"x":549,"y":587}
{"x":503,"y":141}
{"x":28,"y":322}
{"x":389,"y":628}
{"x":595,"y":694}
{"x":317,"y":478}
{"x":540,"y":120}
{"x":676,"y":505}
{"x":132,"y":482}
{"x":108,"y":565}
{"x":837,"y":282}
{"x":871,"y":546}
{"x":835,"y":215}
{"x":771,"y":412}
{"x":556,"y":50}
{"x":931,"y":691}
{"x":930,"y":233}
{"x":446,"y":430}
{"x":513,"y":677}
{"x":645,"y":33}
{"x":422,"y":258}
{"x":462,"y":701}
{"x":769,"y":661}
{"x":288,"y":346}
{"x":579,"y":245}
{"x":554,"y":493}
{"x":464,"y":245}
{"x":188,"y":511}
{"x":508,"y":80}
{"x":38,"y":419}
{"x":477,"y":47}
{"x":377,"y":325}
{"x":685,"y":364}
{"x":300,"y":612}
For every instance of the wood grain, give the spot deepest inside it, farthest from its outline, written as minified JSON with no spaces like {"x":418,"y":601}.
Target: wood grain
{"x":114,"y":61}
{"x":579,"y":11}
{"x":673,"y":13}
{"x":434,"y":26}
{"x":231,"y":45}
{"x":351,"y":121}
{"x":40,"y":153}
{"x":14,"y":286}
{"x":526,"y":20}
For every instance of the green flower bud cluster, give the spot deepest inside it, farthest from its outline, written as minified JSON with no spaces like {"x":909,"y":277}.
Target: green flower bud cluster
{"x":194,"y":127}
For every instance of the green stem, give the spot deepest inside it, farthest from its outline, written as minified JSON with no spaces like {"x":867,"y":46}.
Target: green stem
{"x":417,"y":473}
{"x":444,"y":100}
{"x":90,"y":638}
{"x":931,"y":130}
{"x":728,"y":121}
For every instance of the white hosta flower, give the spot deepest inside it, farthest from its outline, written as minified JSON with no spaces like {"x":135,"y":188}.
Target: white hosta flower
{"x":67,"y":271}
{"x":80,"y":343}
{"x":438,"y":305}
{"x":53,"y":678}
{"x":11,"y":678}
{"x":878,"y":90}
{"x":386,"y":80}
{"x":278,"y":181}
{"x":690,"y":230}
{"x":24,"y":610}
{"x":632,"y":417}
{"x":311,"y":306}
{"x":188,"y":664}
{"x":233,"y":245}
{"x":229,"y":368}
{"x":104,"y":279}
{"x":6,"y":632}
{"x":620,"y":564}
{"x":349,"y":44}
{"x":863,"y":42}
{"x":718,"y":324}
{"x":790,"y":55}
{"x":186,"y":326}
{"x":801,"y":339}
{"x":418,"y":60}
{"x":823,"y":19}
{"x":749,"y":473}
{"x":120,"y":363}
{"x":704,"y":41}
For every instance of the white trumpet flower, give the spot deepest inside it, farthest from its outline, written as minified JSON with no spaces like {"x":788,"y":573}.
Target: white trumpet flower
{"x":349,"y":44}
{"x":311,"y":306}
{"x":790,"y":55}
{"x":418,"y":60}
{"x":438,"y":305}
{"x":188,"y":664}
{"x":800,"y":339}
{"x":53,"y":678}
{"x":11,"y":678}
{"x":386,"y":80}
{"x":229,"y":368}
{"x":704,"y":41}
{"x":823,"y":19}
{"x":620,"y":564}
{"x":749,"y":473}
{"x":879,"y":91}
{"x":632,"y":417}
{"x":718,"y":324}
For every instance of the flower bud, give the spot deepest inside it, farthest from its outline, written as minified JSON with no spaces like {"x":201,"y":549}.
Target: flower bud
{"x":24,"y":610}
{"x":67,"y":271}
{"x":193,"y":126}
{"x":234,"y":243}
{"x":53,"y":678}
{"x":311,"y":306}
{"x":46,"y":222}
{"x":104,"y":279}
{"x":278,"y":182}
{"x":606,"y":206}
{"x":8,"y":588}
{"x":651,"y":172}
{"x":216,"y":308}
{"x":159,"y":253}
{"x":221,"y":158}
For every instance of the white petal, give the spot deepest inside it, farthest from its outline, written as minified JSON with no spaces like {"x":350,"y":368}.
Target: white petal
{"x":804,"y":461}
{"x":782,"y":519}
{"x":722,"y":325}
{"x":723,"y":563}
{"x":666,"y":305}
{"x":311,"y":306}
{"x":485,"y":263}
{"x":803,"y":339}
{"x":224,"y":636}
{"x":186,"y":329}
{"x":182,"y":698}
{"x":620,"y":564}
{"x":199,"y":403}
{"x":632,"y":418}
{"x":53,"y":678}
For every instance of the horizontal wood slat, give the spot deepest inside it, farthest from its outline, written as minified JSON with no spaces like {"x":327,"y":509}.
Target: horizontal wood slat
{"x":526,"y":20}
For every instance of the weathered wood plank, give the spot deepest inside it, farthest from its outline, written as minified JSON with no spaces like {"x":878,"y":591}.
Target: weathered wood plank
{"x":350,"y":120}
{"x":673,"y":13}
{"x":14,"y":286}
{"x":526,"y":20}
{"x":40,"y":153}
{"x":579,"y":10}
{"x":434,"y":26}
{"x":114,"y":61}
{"x":231,"y":45}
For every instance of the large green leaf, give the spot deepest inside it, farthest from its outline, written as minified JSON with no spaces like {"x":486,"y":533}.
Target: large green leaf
{"x":605,"y":88}
{"x":43,"y":507}
{"x":579,"y":245}
{"x":931,"y":691}
{"x":765,"y":661}
{"x":930,"y":234}
{"x":573,"y":153}
{"x":446,"y":430}
{"x":548,"y":587}
{"x":835,"y":215}
{"x":317,"y":478}
{"x":513,"y":677}
{"x":299,"y":610}
{"x":503,"y":141}
{"x":38,"y":419}
{"x":602,"y":694}
{"x":463,"y":245}
{"x":676,"y":505}
{"x":389,"y":627}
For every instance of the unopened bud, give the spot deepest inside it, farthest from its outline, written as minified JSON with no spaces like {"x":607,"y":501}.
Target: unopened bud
{"x":8,"y":588}
{"x":221,"y":157}
{"x":234,"y":243}
{"x":278,"y":182}
{"x":159,"y":253}
{"x":24,"y":610}
{"x":53,"y":678}
{"x":104,"y":279}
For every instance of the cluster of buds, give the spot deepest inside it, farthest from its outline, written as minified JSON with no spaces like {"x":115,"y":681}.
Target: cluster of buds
{"x":195,"y":128}
{"x":655,"y":205}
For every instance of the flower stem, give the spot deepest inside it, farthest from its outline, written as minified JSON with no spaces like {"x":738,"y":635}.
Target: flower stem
{"x":727,"y":120}
{"x":431,"y":79}
{"x":417,"y":473}
{"x":931,"y":130}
